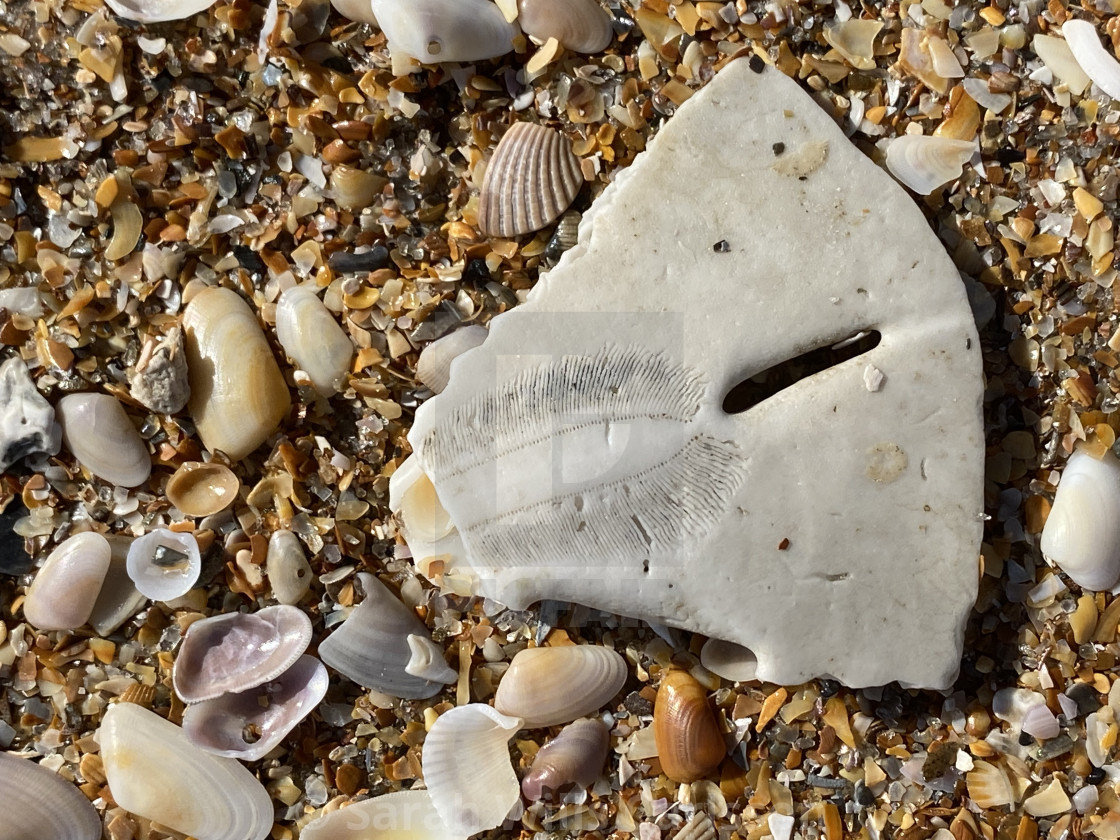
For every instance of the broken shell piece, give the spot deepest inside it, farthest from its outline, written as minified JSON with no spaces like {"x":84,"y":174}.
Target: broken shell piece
{"x":1051,"y":800}
{"x":529,"y":182}
{"x":202,"y":489}
{"x":164,"y":564}
{"x":550,"y":685}
{"x":924,"y":162}
{"x":855,"y":40}
{"x":433,"y":368}
{"x":1039,"y":722}
{"x":689,"y":742}
{"x":160,"y":379}
{"x":1057,"y":56}
{"x":700,"y":827}
{"x":287,"y":568}
{"x":371,"y":647}
{"x":989,"y":786}
{"x":579,"y":25}
{"x":250,"y":724}
{"x":238,"y":395}
{"x":40,"y":804}
{"x":97,"y":431}
{"x":119,"y":599}
{"x":157,"y":11}
{"x":574,"y":757}
{"x":404,"y":815}
{"x":238,"y":651}
{"x":155,"y":772}
{"x":424,"y":516}
{"x":313,"y":339}
{"x":27,"y":421}
{"x":1013,"y":704}
{"x":729,"y":660}
{"x":1082,"y":532}
{"x":1085,"y":44}
{"x":475,"y":795}
{"x":427,"y":661}
{"x":65,"y":589}
{"x":433,"y":31}
{"x":359,"y":11}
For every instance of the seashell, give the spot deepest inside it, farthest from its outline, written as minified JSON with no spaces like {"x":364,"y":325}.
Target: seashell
{"x":780,"y":825}
{"x":475,"y":795}
{"x":160,"y":379}
{"x":42,"y":805}
{"x":433,"y":31}
{"x":700,"y":827}
{"x":1097,"y":730}
{"x":579,"y":25}
{"x":352,"y":188}
{"x":371,"y":647}
{"x":551,"y":685}
{"x":313,"y":339}
{"x":574,"y":757}
{"x":24,"y":300}
{"x":1083,"y":41}
{"x":404,"y":815}
{"x":1039,"y":722}
{"x":854,"y":39}
{"x":119,"y":599}
{"x":1082,"y":533}
{"x":250,"y":724}
{"x":989,"y":786}
{"x":427,"y":661}
{"x":27,"y":422}
{"x":100,"y":435}
{"x":238,"y":395}
{"x":155,"y":772}
{"x":164,"y":564}
{"x":425,"y":518}
{"x":689,"y":742}
{"x":531,"y":179}
{"x":1049,"y":801}
{"x":202,"y":489}
{"x":1057,"y":56}
{"x":433,"y":368}
{"x":156,"y":11}
{"x":923,"y":162}
{"x":359,"y":11}
{"x":287,"y":568}
{"x":729,"y":660}
{"x":565,"y":237}
{"x":65,"y":589}
{"x":1012,"y":704}
{"x":238,"y":651}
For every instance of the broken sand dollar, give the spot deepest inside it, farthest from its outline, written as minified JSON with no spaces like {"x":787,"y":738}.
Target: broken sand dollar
{"x":583,"y":452}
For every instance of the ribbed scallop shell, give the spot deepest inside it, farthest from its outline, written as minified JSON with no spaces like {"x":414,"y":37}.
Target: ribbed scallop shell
{"x":404,"y":815}
{"x":433,"y":31}
{"x":239,"y":651}
{"x":313,"y":339}
{"x":575,"y":756}
{"x":530,"y":181}
{"x":41,"y":805}
{"x":97,"y":431}
{"x":1082,"y":532}
{"x":467,"y":768}
{"x":923,"y":162}
{"x":552,"y":685}
{"x":65,"y":588}
{"x":689,"y":742}
{"x":156,"y":773}
{"x":580,"y":25}
{"x":433,"y":368}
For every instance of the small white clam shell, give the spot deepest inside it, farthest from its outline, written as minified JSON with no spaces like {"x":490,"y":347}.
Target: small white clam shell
{"x":580,"y":25}
{"x":27,"y":422}
{"x":433,"y":368}
{"x":427,"y":660}
{"x":164,"y":564}
{"x":404,"y":815}
{"x":238,"y":395}
{"x":432,"y":31}
{"x":729,"y":660}
{"x":287,"y":568}
{"x":923,"y":162}
{"x":529,"y":182}
{"x":550,"y":685}
{"x":270,"y":711}
{"x":157,"y":11}
{"x":1057,"y":56}
{"x":474,"y":795}
{"x":313,"y":339}
{"x":1085,"y":44}
{"x":1082,"y":532}
{"x":41,"y":805}
{"x":371,"y":647}
{"x":360,"y":11}
{"x":65,"y":589}
{"x":156,"y":773}
{"x":97,"y":431}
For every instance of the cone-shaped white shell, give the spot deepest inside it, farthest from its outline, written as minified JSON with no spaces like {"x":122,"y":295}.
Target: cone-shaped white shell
{"x":924,"y":162}
{"x":313,"y":339}
{"x":427,"y":660}
{"x":164,"y":564}
{"x":371,"y":647}
{"x":433,"y":368}
{"x":156,"y":773}
{"x":1085,"y":44}
{"x":41,"y":805}
{"x":289,"y":573}
{"x":99,"y":433}
{"x":156,"y":11}
{"x":1082,"y":532}
{"x":551,"y":685}
{"x":432,"y":31}
{"x":580,"y":25}
{"x":468,"y":770}
{"x":65,"y":589}
{"x":405,"y":815}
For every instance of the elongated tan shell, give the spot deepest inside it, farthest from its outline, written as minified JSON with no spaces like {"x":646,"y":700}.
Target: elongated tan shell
{"x":201,"y":489}
{"x":530,"y":181}
{"x":551,"y":685}
{"x":312,"y":338}
{"x":580,"y":25}
{"x":433,"y":368}
{"x":65,"y":589}
{"x":41,"y":805}
{"x":404,"y":815}
{"x":924,"y":162}
{"x":156,"y":773}
{"x":689,"y":742}
{"x":238,"y":395}
{"x":100,"y":435}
